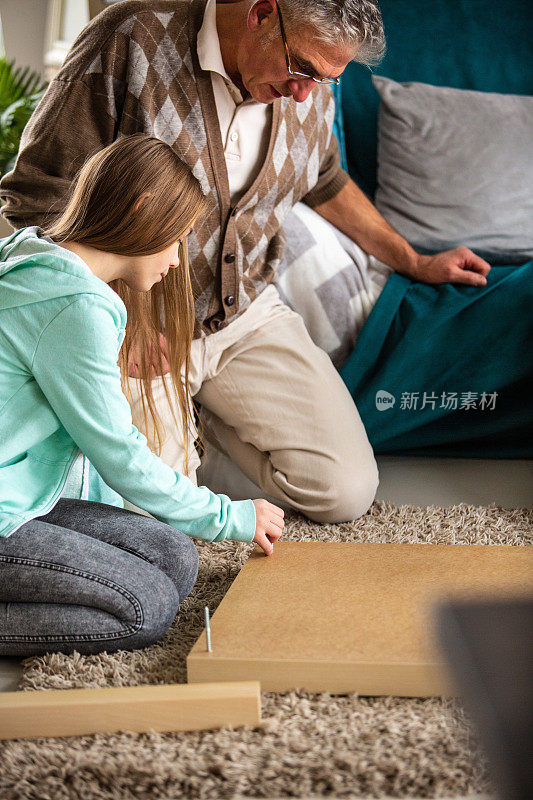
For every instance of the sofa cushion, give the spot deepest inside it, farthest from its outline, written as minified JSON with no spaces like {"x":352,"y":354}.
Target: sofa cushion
{"x":455,"y":167}
{"x":338,"y":125}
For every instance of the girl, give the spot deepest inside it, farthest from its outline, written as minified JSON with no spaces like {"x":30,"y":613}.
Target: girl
{"x":77,"y":570}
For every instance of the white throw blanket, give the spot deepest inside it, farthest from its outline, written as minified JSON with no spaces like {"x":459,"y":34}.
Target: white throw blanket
{"x":329,"y":280}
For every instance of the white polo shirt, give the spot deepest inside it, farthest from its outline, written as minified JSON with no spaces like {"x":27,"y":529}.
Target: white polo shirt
{"x":244,"y":125}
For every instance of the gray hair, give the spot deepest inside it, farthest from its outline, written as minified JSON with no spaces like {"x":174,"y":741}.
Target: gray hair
{"x":349,"y":23}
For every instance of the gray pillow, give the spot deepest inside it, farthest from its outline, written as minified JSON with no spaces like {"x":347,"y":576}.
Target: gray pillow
{"x":455,"y":167}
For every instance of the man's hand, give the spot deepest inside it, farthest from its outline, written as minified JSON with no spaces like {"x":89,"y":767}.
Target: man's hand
{"x":353,"y":213}
{"x":460,"y":265}
{"x":133,"y":362}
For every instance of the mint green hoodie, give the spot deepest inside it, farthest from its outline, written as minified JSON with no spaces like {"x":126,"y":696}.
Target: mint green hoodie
{"x":61,"y":329}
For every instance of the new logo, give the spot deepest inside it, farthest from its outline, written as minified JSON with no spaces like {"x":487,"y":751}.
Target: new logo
{"x":384,"y":400}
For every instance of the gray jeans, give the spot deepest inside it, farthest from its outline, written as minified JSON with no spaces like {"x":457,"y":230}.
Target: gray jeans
{"x":91,"y":577}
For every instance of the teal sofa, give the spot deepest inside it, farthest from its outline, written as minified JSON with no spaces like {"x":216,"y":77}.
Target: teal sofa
{"x":485,"y":45}
{"x":443,"y":338}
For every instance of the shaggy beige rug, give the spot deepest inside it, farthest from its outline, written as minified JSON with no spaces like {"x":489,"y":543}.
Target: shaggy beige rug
{"x":307,"y":744}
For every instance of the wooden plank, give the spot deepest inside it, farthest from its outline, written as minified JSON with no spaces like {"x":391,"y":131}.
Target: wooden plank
{"x":350,"y":617}
{"x":172,"y":707}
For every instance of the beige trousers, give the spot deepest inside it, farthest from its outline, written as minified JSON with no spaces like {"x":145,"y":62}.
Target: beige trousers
{"x":275,"y":404}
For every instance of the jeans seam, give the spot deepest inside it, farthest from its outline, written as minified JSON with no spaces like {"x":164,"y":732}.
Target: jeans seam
{"x":134,"y":553}
{"x":127,"y":631}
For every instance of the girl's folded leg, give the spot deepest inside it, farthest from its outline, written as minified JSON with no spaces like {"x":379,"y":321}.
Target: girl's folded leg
{"x":156,"y":542}
{"x":63,"y":590}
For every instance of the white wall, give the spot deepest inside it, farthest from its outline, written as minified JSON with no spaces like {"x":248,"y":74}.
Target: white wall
{"x":76,"y":17}
{"x":24,"y":27}
{"x":24,"y":24}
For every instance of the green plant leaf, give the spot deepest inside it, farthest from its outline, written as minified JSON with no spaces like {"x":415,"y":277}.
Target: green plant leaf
{"x":20,"y":87}
{"x":17,"y":82}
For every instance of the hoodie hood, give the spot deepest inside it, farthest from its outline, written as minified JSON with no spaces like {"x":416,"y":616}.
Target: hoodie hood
{"x":33,"y":268}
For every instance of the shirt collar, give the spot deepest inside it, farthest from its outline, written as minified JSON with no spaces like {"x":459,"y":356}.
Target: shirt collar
{"x":208,"y":44}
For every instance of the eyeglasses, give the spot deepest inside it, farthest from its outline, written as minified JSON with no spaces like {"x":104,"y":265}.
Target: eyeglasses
{"x":293,"y":72}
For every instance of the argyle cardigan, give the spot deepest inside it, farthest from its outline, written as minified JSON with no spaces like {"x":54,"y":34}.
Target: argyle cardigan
{"x":135,"y":68}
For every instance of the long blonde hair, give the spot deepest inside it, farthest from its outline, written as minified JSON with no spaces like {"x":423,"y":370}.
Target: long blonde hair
{"x":101,"y":212}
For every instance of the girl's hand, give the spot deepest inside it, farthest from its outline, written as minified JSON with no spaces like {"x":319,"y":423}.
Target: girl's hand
{"x":133,"y":362}
{"x":269,"y":524}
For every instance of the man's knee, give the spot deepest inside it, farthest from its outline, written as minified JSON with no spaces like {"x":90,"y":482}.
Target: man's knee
{"x":348,"y":493}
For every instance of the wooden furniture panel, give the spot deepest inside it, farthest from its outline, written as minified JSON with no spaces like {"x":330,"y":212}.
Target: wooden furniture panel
{"x":349,"y":617}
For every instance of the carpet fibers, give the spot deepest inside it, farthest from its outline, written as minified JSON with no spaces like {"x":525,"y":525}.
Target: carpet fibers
{"x":307,"y":743}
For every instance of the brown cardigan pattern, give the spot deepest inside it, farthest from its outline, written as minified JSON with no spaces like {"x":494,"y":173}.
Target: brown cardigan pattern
{"x":135,"y":68}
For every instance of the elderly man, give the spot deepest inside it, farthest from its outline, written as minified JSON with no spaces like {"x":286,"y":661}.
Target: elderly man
{"x":242,"y":91}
